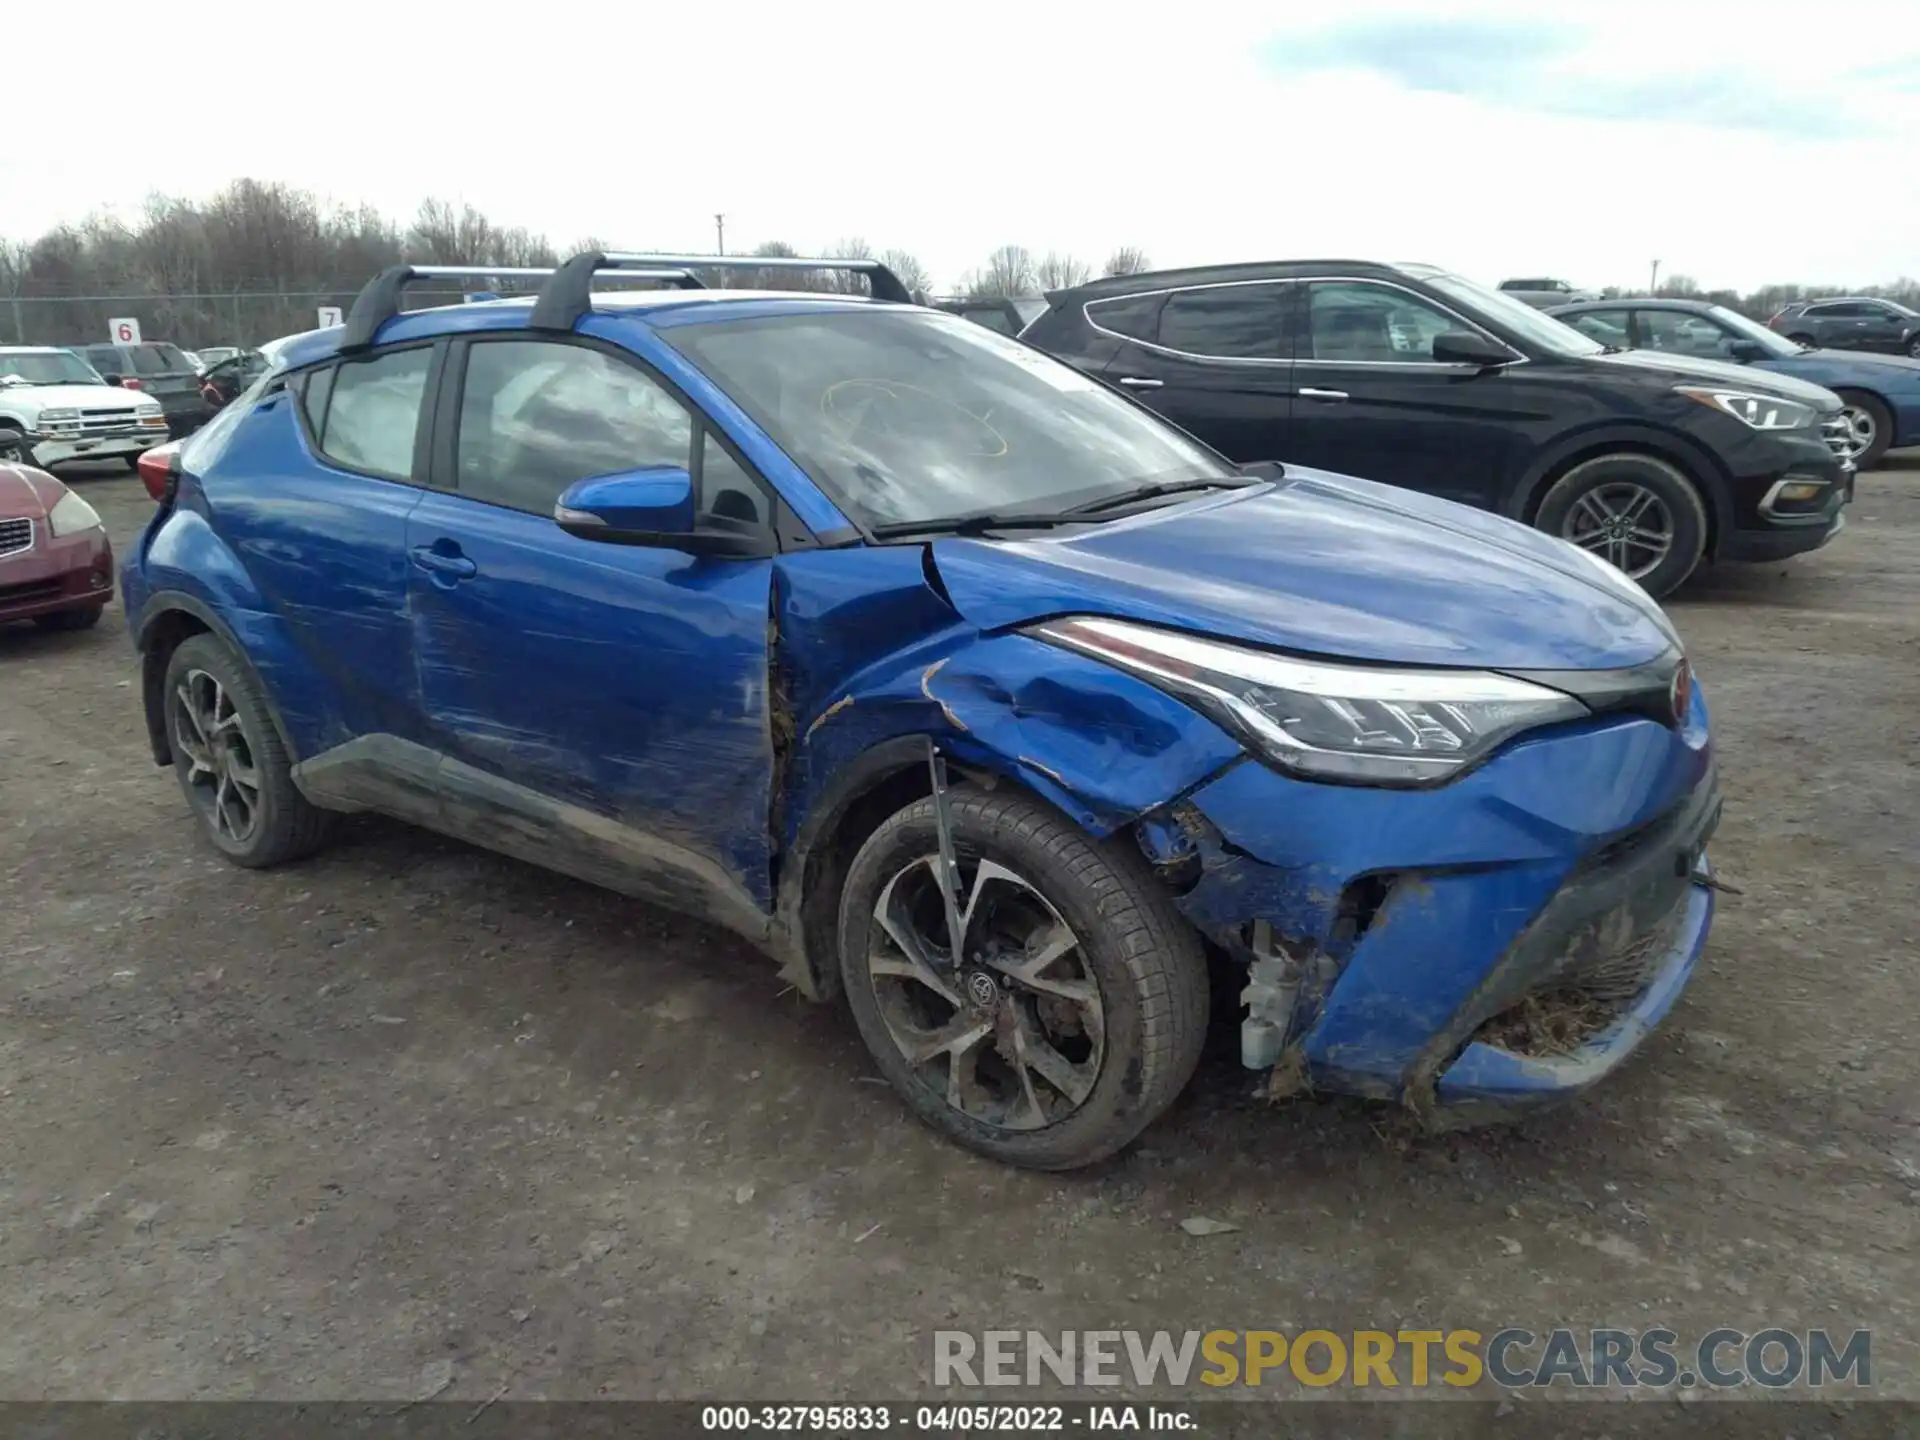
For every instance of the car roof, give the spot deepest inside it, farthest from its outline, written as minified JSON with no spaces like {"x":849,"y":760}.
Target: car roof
{"x":663,"y":309}
{"x":1636,"y":302}
{"x":1224,"y":275}
{"x":35,"y":350}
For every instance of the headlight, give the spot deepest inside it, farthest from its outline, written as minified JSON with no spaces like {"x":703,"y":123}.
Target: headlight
{"x":1350,"y":723}
{"x":70,"y":515}
{"x":146,"y":408}
{"x":1762,"y":412}
{"x":60,"y":413}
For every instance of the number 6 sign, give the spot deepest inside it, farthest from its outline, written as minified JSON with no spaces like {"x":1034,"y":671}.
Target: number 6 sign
{"x":124,"y":332}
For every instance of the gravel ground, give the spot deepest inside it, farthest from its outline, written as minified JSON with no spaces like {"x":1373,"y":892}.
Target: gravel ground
{"x":410,"y":1116}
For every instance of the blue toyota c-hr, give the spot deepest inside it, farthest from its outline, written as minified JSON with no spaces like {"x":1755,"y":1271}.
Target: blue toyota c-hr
{"x":964,"y":686}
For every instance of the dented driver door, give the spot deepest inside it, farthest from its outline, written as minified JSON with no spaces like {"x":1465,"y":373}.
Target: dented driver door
{"x":601,"y":708}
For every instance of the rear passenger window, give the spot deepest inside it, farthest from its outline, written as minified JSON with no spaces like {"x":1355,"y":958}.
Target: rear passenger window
{"x":151,"y":360}
{"x":536,"y":416}
{"x":373,"y":413}
{"x":1228,"y":322}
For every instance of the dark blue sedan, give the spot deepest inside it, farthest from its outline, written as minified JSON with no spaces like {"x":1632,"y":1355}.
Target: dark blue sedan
{"x":1882,"y":392}
{"x":954,"y":680}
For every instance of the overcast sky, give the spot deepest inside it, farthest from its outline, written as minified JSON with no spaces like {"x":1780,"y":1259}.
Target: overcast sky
{"x":1736,"y":143}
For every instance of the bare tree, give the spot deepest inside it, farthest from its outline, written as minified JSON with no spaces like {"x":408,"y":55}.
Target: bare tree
{"x":1127,"y":260}
{"x":846,"y":282}
{"x":913,"y":275}
{"x":1057,"y":271}
{"x":1008,"y":271}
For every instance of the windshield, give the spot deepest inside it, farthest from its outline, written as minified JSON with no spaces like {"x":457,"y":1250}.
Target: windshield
{"x":48,"y":367}
{"x":1518,"y":317}
{"x":1753,"y":330}
{"x":1903,"y":309}
{"x":919,"y":415}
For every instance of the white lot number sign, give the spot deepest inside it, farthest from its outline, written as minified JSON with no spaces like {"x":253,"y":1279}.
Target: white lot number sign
{"x":329,"y":316}
{"x":124,"y":332}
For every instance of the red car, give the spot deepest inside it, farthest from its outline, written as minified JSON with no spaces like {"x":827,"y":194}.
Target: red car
{"x":56,"y":567}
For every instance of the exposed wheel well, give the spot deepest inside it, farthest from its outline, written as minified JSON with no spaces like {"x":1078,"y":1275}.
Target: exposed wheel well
{"x":813,"y":914}
{"x":162,"y":638}
{"x":1616,"y":447}
{"x":824,"y":866}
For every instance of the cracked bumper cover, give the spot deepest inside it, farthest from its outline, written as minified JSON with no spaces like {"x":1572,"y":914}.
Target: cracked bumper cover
{"x":1563,"y":851}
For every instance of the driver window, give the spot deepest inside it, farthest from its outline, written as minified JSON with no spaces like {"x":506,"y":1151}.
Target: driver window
{"x":536,"y":417}
{"x":1362,"y":323}
{"x":1679,"y":333}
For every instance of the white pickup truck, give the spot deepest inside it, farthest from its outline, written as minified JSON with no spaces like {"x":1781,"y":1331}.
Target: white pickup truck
{"x":54,"y":407}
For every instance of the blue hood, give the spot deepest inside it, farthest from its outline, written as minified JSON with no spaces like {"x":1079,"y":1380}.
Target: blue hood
{"x":1325,"y":565}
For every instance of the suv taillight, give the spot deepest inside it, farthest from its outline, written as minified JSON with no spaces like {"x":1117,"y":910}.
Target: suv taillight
{"x":156,"y":467}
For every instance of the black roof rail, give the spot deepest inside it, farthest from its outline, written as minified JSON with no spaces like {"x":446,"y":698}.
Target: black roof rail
{"x":379,"y":299}
{"x":568,"y":294}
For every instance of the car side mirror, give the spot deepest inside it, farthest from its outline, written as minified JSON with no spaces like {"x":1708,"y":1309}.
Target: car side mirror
{"x":1746,"y":351}
{"x":114,"y":379}
{"x":1459,"y":347}
{"x":653,"y":507}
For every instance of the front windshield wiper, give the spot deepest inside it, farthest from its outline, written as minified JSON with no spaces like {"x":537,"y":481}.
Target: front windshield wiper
{"x":981,"y":521}
{"x":1156,"y":489}
{"x":978,"y":523}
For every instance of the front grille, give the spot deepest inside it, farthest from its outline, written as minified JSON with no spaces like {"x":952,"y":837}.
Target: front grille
{"x":96,"y":423}
{"x":1839,"y":438}
{"x":15,"y":536}
{"x":29,"y":592}
{"x":1563,"y":1013}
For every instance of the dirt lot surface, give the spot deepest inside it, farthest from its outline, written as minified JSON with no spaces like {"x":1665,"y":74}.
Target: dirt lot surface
{"x":409,"y":1116}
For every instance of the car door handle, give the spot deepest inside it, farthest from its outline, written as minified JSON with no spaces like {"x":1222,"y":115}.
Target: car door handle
{"x":451,"y":564}
{"x":1141,"y":382}
{"x":1307,"y":392}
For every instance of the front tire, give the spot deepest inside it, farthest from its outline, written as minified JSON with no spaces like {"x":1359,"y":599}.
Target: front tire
{"x":1078,"y":1012}
{"x":1638,"y":513}
{"x":230,"y":761}
{"x":1869,"y":427}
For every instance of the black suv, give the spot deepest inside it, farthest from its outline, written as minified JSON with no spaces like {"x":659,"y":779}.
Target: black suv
{"x":158,"y":369}
{"x":1851,"y":322}
{"x":1413,"y":376}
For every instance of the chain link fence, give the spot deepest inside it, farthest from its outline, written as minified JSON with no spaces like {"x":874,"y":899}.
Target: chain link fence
{"x":240,"y":317}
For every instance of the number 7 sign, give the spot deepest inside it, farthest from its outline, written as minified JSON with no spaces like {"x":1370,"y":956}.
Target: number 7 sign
{"x":124,"y":332}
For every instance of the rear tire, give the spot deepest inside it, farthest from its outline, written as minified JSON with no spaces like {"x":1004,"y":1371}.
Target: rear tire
{"x":1864,"y":411}
{"x":230,"y":761}
{"x":1047,"y":1082}
{"x":70,"y":619}
{"x":1590,"y":498}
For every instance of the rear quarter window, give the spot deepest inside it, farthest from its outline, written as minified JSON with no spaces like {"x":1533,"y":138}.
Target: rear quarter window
{"x":1135,"y":316}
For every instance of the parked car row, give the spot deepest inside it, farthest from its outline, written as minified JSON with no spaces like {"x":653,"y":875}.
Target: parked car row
{"x":960,"y":680}
{"x":1419,"y":378}
{"x":1851,"y":322}
{"x":1880,"y":393}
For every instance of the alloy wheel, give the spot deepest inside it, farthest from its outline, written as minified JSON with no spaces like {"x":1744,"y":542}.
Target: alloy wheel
{"x":1862,"y":430}
{"x":223,"y":782}
{"x":1014,"y":1034}
{"x":1625,"y":524}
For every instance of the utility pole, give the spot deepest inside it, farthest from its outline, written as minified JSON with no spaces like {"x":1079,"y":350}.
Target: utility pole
{"x":719,"y":234}
{"x":1653,"y":280}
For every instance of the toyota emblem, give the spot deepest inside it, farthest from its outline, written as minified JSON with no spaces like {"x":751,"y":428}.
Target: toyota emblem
{"x":981,"y":990}
{"x":1680,"y":693}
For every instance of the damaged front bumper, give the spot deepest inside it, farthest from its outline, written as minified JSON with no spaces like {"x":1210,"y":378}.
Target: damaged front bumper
{"x":1469,"y":950}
